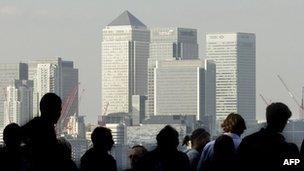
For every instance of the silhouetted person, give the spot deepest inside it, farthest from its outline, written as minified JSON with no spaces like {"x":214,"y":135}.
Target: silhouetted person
{"x":199,"y":138}
{"x":68,"y":164}
{"x":224,"y":155}
{"x":165,"y":157}
{"x":98,"y":157}
{"x":135,"y":154}
{"x":11,"y":155}
{"x":268,"y":147}
{"x":233,"y":126}
{"x":41,"y":145}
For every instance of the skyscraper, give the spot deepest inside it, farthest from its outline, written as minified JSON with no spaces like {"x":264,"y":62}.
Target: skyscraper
{"x":180,"y":88}
{"x":125,"y":51}
{"x":234,"y":55}
{"x":8,"y":74}
{"x":53,"y":75}
{"x":18,"y":105}
{"x":169,"y":43}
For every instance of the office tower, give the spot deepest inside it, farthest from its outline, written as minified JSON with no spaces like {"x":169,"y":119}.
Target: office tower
{"x":118,"y":132}
{"x":18,"y":105}
{"x":56,"y":76}
{"x":234,"y":55}
{"x":8,"y":74}
{"x":70,"y":82}
{"x":180,"y":88}
{"x":167,"y":44}
{"x":125,"y":51}
{"x":138,"y":109}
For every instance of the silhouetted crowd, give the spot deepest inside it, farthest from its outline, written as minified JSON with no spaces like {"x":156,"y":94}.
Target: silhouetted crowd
{"x":35,"y":147}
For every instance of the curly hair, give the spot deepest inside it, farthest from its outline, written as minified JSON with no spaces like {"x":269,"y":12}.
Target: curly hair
{"x":234,"y":123}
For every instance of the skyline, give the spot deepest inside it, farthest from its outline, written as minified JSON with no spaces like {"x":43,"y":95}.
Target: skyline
{"x":273,"y":43}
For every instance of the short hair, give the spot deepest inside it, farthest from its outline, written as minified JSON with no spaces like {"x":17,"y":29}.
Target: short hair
{"x":199,"y":133}
{"x":167,"y":138}
{"x":102,"y":138}
{"x":12,"y":135}
{"x":49,"y":103}
{"x":186,"y":140}
{"x":276,"y":113}
{"x":234,"y":123}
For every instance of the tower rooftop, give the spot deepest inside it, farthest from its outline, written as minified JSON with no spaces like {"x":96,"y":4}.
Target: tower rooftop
{"x":126,"y":18}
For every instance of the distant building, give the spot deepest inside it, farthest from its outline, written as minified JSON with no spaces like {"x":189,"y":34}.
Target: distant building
{"x":234,"y":55}
{"x":181,"y":88}
{"x":125,"y":51}
{"x":76,"y":127}
{"x":18,"y":105}
{"x":294,"y":132}
{"x":8,"y":74}
{"x":167,"y":44}
{"x":146,"y":133}
{"x":56,"y":76}
{"x":118,"y":133}
{"x":138,"y":109}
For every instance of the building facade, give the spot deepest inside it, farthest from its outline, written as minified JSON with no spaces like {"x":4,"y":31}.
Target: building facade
{"x":18,"y":105}
{"x":234,"y":55}
{"x":56,"y":76}
{"x":8,"y":74}
{"x":125,"y":51}
{"x":166,"y":44}
{"x":180,"y":88}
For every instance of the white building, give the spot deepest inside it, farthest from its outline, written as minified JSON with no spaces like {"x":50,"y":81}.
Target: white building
{"x":180,"y":88}
{"x":166,"y":44}
{"x":234,"y":55}
{"x":119,"y":133}
{"x":56,"y":76}
{"x":76,"y":127}
{"x":18,"y":105}
{"x":145,"y":134}
{"x":8,"y":74}
{"x":125,"y":51}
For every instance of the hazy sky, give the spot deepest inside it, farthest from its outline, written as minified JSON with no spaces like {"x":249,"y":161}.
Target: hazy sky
{"x":71,"y":29}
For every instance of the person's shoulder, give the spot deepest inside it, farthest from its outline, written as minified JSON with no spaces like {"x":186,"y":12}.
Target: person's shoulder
{"x":252,"y":137}
{"x":88,"y":153}
{"x":209,"y":144}
{"x":181,"y":154}
{"x":192,"y":152}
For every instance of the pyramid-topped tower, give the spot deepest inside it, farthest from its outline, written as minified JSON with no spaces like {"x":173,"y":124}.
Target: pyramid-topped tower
{"x":124,"y":58}
{"x":126,"y":18}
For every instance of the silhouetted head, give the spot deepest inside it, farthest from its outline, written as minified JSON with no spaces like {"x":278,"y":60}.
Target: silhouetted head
{"x":102,"y":139}
{"x":50,"y":107}
{"x":12,"y":136}
{"x":167,"y":139}
{"x":199,"y":138}
{"x":277,"y":115}
{"x":234,"y":123}
{"x":136,"y":153}
{"x":223,"y":148}
{"x":186,"y":140}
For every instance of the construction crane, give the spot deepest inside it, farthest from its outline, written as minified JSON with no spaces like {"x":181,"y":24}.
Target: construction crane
{"x":290,"y":93}
{"x":106,"y":109}
{"x":62,"y":122}
{"x":265,"y":101}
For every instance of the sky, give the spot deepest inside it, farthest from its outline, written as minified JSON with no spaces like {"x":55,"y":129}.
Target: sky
{"x":71,"y":29}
